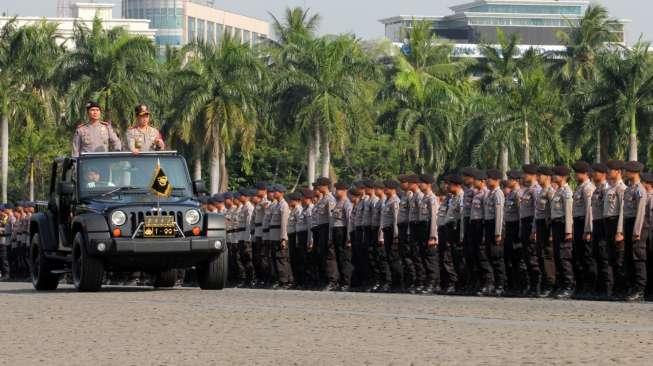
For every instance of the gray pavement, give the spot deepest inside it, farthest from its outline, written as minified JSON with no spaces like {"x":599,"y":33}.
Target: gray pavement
{"x":142,"y":326}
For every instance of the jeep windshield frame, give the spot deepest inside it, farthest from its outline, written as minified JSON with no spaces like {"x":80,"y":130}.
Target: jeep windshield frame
{"x":112,"y":175}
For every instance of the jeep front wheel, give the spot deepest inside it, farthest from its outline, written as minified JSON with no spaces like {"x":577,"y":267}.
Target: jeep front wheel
{"x":212,"y":275}
{"x":88,"y":271}
{"x":42,"y":278}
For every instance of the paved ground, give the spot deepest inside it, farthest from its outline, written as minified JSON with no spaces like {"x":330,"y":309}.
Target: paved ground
{"x":141,"y":326}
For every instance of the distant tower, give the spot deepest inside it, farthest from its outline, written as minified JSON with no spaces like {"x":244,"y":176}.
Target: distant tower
{"x":63,"y":8}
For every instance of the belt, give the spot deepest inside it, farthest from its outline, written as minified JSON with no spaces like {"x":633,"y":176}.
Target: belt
{"x":258,"y":225}
{"x":240,"y":230}
{"x":558,"y":220}
{"x":275,"y":226}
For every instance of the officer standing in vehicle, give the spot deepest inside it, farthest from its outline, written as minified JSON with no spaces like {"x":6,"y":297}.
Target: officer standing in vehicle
{"x":582,"y":226}
{"x":94,"y":135}
{"x":142,"y":137}
{"x":562,"y":226}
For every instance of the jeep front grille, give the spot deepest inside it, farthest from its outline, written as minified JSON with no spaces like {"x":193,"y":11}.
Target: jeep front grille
{"x":138,"y":217}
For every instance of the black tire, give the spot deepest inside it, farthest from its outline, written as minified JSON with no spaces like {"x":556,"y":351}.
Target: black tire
{"x":213,"y":274}
{"x":88,"y":271}
{"x":42,"y":278}
{"x":165,"y":279}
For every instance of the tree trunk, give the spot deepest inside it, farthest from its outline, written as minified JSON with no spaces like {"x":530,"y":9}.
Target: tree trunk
{"x":4,"y":167}
{"x":504,"y":161}
{"x":632,"y":154}
{"x":224,"y":174}
{"x":215,"y":167}
{"x":313,"y":153}
{"x":527,"y":144}
{"x":197,"y":165}
{"x":326,"y":158}
{"x":597,"y":158}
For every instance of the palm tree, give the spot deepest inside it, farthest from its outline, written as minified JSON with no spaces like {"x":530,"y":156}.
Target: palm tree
{"x":296,"y":27}
{"x":218,"y":95}
{"x":622,"y":93}
{"x":110,"y":66}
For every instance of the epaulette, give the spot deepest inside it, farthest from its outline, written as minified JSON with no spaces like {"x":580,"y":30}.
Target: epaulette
{"x":106,"y":123}
{"x":82,"y":124}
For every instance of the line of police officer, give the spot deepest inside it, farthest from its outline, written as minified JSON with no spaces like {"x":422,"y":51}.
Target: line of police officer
{"x":528,"y":235}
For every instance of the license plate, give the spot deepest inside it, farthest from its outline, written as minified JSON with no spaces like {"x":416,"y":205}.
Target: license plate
{"x":159,"y":227}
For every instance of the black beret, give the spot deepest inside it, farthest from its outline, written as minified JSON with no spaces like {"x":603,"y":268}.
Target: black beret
{"x":219,"y":198}
{"x":561,"y":171}
{"x":545,"y":170}
{"x":243,"y":191}
{"x":647,"y":178}
{"x":341,"y":186}
{"x":403,"y":178}
{"x":237,"y":195}
{"x":295,"y":196}
{"x":200,"y":199}
{"x":9,"y":206}
{"x":530,"y":169}
{"x":368,"y":183}
{"x":494,"y":174}
{"x":308,"y":193}
{"x":455,"y":179}
{"x":323,"y":181}
{"x":581,"y":167}
{"x":634,"y":166}
{"x":227,"y":195}
{"x":354,"y":192}
{"x":280,"y":188}
{"x":599,"y":167}
{"x":92,"y":104}
{"x":141,"y":109}
{"x":391,"y":184}
{"x":480,"y":174}
{"x":615,"y":164}
{"x":467,"y":171}
{"x":378,"y":184}
{"x":426,"y":178}
{"x":413,"y":178}
{"x":261,"y":186}
{"x":515,"y":174}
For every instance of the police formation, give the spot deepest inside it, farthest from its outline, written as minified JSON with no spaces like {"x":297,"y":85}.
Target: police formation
{"x":530,"y":235}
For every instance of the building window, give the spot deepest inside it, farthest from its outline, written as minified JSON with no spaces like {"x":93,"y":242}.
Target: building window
{"x":247,"y":37}
{"x":210,"y":32}
{"x":201,"y":24}
{"x":228,"y":30}
{"x":219,"y":32}
{"x":191,"y":29}
{"x":238,"y":35}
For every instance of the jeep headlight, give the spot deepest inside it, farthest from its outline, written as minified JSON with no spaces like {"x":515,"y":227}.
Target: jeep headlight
{"x":192,"y":217}
{"x":118,"y":218}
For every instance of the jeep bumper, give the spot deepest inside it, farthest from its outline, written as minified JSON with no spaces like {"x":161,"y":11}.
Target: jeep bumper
{"x":157,"y":246}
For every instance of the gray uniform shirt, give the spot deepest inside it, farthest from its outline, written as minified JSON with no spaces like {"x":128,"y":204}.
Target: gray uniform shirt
{"x":416,"y":201}
{"x":323,"y":209}
{"x":267,"y":215}
{"x":341,"y":214}
{"x":292,"y":219}
{"x":562,"y":206}
{"x":442,"y":210}
{"x":493,"y":209}
{"x":597,"y":201}
{"x":511,"y":209}
{"x":259,"y":213}
{"x":390,"y":217}
{"x":543,"y":203}
{"x":404,"y":207}
{"x":428,"y":212}
{"x":455,"y":212}
{"x":583,"y":204}
{"x":245,"y":222}
{"x":361,"y":212}
{"x":635,"y":205}
{"x":613,"y":200}
{"x":143,"y":139}
{"x":477,"y":204}
{"x":304,"y":221}
{"x":95,"y":137}
{"x":468,"y":197}
{"x":376,"y":212}
{"x":528,"y":200}
{"x":279,"y":221}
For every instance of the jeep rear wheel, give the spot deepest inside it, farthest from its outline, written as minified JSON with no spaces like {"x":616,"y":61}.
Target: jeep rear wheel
{"x":42,"y":278}
{"x":213,"y":274}
{"x":87,"y":271}
{"x":165,"y":279}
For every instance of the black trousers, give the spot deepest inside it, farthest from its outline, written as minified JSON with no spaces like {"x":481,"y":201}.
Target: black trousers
{"x":405,"y":249}
{"x":260,"y":268}
{"x":324,"y":256}
{"x":429,"y":256}
{"x":244,"y":261}
{"x":634,"y":257}
{"x":580,"y":251}
{"x":563,"y":255}
{"x":233,"y":274}
{"x":298,"y":257}
{"x":415,"y":253}
{"x":596,"y":262}
{"x":380,"y":270}
{"x":448,"y":235}
{"x":649,"y":263}
{"x":515,"y":257}
{"x":493,"y":266}
{"x":615,"y":257}
{"x":457,"y":252}
{"x":360,"y":258}
{"x":4,"y":260}
{"x":541,"y":258}
{"x":392,"y":254}
{"x":343,"y":254}
{"x":473,"y":244}
{"x":281,"y":262}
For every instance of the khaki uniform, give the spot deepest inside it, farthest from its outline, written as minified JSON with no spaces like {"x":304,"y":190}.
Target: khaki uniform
{"x":95,"y":137}
{"x":143,"y":139}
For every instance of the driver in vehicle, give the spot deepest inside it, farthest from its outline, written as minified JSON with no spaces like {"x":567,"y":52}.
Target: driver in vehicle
{"x":94,"y":179}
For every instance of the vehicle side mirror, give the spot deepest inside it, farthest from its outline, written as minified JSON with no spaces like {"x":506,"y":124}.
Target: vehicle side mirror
{"x":65,"y":189}
{"x":199,"y":187}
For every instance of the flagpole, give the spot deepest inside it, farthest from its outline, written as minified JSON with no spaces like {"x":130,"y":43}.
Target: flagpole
{"x":158,"y":198}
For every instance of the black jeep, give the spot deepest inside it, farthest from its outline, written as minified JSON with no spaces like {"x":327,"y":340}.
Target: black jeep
{"x":105,"y":215}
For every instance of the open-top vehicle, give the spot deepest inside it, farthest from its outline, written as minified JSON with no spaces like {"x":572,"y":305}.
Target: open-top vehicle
{"x":121,"y":212}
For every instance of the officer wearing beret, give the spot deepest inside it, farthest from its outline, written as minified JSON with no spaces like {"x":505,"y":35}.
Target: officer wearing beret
{"x":415,"y":265}
{"x":613,"y":201}
{"x":324,"y":252}
{"x":634,"y":210}
{"x":389,"y":231}
{"x":454,"y":243}
{"x":278,"y":236}
{"x":244,"y":253}
{"x":360,"y":257}
{"x":94,"y":135}
{"x":582,"y":226}
{"x":427,"y":235}
{"x":527,"y":204}
{"x":340,"y":235}
{"x":299,"y":258}
{"x":597,"y":266}
{"x":514,"y":250}
{"x":143,"y":137}
{"x":541,"y":257}
{"x":405,"y":196}
{"x":493,"y":210}
{"x":260,"y":268}
{"x":647,"y":179}
{"x":562,"y":226}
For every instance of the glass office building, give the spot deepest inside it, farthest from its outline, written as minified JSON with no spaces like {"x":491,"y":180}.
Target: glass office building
{"x":537,"y":22}
{"x":178,"y":22}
